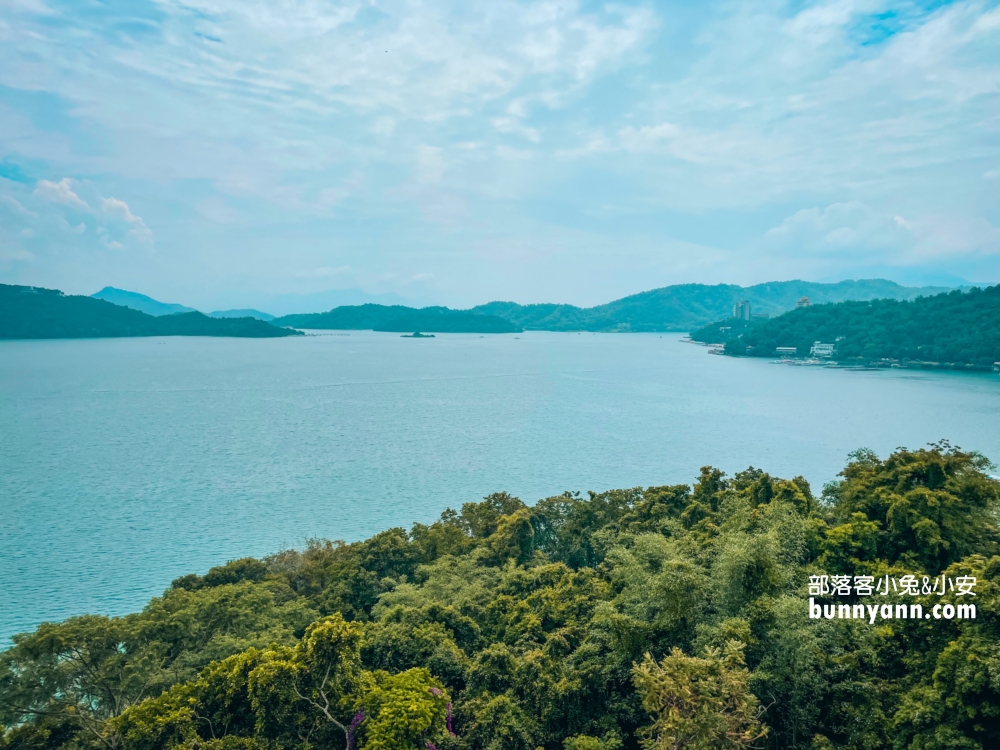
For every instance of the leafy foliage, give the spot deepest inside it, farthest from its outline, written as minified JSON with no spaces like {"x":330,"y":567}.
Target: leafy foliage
{"x":664,"y":617}
{"x":699,"y":702}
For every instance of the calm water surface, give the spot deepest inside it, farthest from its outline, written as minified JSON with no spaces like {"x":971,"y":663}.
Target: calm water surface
{"x":126,"y":463}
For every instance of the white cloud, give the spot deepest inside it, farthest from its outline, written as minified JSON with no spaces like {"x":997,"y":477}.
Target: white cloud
{"x":43,"y":223}
{"x":503,"y":119}
{"x":838,"y":229}
{"x":853,"y":230}
{"x":216,"y":209}
{"x":512,"y":125}
{"x":948,"y":237}
{"x":422,"y":61}
{"x":119,"y":210}
{"x":60,"y":192}
{"x":779,"y":106}
{"x":26,"y":6}
{"x":15,"y":206}
{"x":384,"y":126}
{"x":430,"y":164}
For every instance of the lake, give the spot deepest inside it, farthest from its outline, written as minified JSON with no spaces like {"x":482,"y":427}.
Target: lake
{"x":129,"y":462}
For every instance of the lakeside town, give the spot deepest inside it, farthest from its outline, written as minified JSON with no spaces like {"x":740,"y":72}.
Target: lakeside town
{"x":822,"y":353}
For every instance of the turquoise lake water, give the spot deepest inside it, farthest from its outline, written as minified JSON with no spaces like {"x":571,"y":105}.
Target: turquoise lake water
{"x":126,"y":463}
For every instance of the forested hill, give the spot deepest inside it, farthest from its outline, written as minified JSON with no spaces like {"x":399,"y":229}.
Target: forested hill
{"x":626,"y":619}
{"x":672,"y":308}
{"x":398,"y":318}
{"x":956,"y":327}
{"x":35,"y":313}
{"x":687,"y":306}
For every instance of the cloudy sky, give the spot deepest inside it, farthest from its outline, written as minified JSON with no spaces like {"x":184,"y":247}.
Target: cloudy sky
{"x":458,"y":152}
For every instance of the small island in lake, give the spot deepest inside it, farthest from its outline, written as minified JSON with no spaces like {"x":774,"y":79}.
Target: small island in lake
{"x":417,"y":335}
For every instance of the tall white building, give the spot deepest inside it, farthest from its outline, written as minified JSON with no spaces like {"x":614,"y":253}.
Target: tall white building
{"x":741,"y":310}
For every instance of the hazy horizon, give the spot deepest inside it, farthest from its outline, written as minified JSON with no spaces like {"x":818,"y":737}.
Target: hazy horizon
{"x":288,"y":303}
{"x":210,"y":152}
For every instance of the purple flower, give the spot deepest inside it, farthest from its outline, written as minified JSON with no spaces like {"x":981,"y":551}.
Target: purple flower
{"x":450,"y":730}
{"x":355,"y":723}
{"x":436,"y":692}
{"x":431,"y":746}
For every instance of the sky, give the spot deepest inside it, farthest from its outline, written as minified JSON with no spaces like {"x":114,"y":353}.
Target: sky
{"x":204,"y":151}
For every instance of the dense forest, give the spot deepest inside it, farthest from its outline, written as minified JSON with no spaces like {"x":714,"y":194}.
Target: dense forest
{"x":666,"y":617}
{"x":398,"y":318}
{"x":35,"y":313}
{"x":956,"y":327}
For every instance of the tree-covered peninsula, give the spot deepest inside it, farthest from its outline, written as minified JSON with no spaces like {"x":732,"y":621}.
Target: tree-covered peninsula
{"x":36,"y":313}
{"x":665,"y":617}
{"x":398,"y":318}
{"x":961,"y":328}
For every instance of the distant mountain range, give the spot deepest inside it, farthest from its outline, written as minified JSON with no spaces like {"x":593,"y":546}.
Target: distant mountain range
{"x":36,"y":313}
{"x":279,"y":304}
{"x":674,"y":308}
{"x":140,"y":302}
{"x":683,"y":307}
{"x":292,"y":304}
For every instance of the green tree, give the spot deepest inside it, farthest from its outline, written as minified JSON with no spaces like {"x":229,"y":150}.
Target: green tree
{"x":699,"y":703}
{"x":406,"y":711}
{"x":86,"y":671}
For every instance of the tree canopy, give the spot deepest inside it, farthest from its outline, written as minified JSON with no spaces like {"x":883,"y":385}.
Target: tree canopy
{"x":660,"y":617}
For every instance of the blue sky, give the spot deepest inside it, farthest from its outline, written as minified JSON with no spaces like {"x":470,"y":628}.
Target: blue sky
{"x":202,"y":151}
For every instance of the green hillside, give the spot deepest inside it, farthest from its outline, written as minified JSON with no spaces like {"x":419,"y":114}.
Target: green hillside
{"x":35,"y":313}
{"x":346,"y":318}
{"x":397,"y":318}
{"x":686,"y":306}
{"x":955,"y":327}
{"x":672,"y":308}
{"x":743,"y":612}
